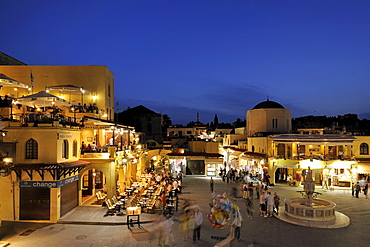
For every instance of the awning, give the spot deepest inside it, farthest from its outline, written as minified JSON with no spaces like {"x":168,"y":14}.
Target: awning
{"x":207,"y":155}
{"x":57,"y":170}
{"x":42,"y":166}
{"x":286,"y":166}
{"x":42,"y":99}
{"x":68,"y":89}
{"x":9,"y":82}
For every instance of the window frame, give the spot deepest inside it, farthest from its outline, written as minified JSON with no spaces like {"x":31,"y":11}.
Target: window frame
{"x":32,"y":149}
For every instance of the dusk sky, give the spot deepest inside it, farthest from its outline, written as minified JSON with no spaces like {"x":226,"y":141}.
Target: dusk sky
{"x":180,"y":57}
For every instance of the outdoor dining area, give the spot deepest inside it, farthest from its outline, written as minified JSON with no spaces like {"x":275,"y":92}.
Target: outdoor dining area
{"x":143,"y":197}
{"x":18,"y":103}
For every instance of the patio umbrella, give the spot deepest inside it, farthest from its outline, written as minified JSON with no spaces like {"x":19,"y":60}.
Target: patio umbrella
{"x":9,"y":82}
{"x":67,"y":89}
{"x":42,"y":99}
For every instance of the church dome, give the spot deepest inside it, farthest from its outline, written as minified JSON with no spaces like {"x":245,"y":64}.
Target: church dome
{"x":268,"y":104}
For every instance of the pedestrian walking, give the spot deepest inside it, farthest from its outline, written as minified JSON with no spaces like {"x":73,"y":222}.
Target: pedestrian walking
{"x":161,"y":230}
{"x":245,"y":191}
{"x":169,"y":240}
{"x":258,"y":188}
{"x":366,"y":189}
{"x":358,"y":189}
{"x":353,"y":189}
{"x":184,"y":224}
{"x":262,"y":205}
{"x":234,"y":192}
{"x":211,"y":184}
{"x":270,"y":204}
{"x":237,"y":224}
{"x":249,"y":207}
{"x":198,"y":221}
{"x":250,"y":190}
{"x":276,"y":202}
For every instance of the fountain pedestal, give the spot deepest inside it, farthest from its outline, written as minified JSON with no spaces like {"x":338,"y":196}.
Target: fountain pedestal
{"x":311,"y":212}
{"x":319,"y":210}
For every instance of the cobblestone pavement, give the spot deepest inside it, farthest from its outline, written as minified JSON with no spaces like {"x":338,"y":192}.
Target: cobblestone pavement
{"x":259,"y":231}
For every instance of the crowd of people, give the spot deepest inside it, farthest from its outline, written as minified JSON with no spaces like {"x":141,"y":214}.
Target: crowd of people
{"x":250,"y":187}
{"x":223,"y":212}
{"x":191,"y":218}
{"x":357,"y":188}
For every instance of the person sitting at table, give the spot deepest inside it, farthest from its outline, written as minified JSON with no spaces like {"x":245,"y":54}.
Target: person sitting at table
{"x":93,"y":147}
{"x":88,"y":148}
{"x":169,"y":189}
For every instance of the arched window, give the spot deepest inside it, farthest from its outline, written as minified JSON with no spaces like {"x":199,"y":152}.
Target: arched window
{"x":32,"y":149}
{"x":364,"y":149}
{"x":65,"y":149}
{"x":74,"y":148}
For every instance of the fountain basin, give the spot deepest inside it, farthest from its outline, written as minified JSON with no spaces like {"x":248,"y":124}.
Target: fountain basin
{"x":320,"y":210}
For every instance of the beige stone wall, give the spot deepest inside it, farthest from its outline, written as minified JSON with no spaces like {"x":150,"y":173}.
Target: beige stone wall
{"x":260,"y":120}
{"x":261,"y":145}
{"x":6,"y":206}
{"x":212,"y":147}
{"x":49,"y":145}
{"x":356,"y":146}
{"x":231,"y":139}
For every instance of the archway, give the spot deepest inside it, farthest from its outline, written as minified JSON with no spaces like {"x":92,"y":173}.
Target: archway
{"x":92,"y":181}
{"x":281,"y":175}
{"x":158,"y":159}
{"x":158,"y":163}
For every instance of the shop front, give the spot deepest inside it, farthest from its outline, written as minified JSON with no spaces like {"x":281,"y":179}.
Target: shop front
{"x":213,"y":167}
{"x":40,"y":199}
{"x":339,"y":173}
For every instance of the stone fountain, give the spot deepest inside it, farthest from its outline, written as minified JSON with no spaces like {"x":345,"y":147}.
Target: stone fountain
{"x":312,"y":212}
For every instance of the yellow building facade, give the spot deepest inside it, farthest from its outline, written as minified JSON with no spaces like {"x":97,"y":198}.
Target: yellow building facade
{"x":44,"y":170}
{"x":271,"y":149}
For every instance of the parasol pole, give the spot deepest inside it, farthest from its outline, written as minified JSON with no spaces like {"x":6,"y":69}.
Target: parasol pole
{"x":32,"y":80}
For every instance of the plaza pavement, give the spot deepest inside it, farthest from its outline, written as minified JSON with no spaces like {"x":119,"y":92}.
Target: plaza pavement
{"x":86,"y":226}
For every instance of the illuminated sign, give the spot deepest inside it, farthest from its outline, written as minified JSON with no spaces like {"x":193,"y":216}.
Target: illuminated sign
{"x":48,"y":184}
{"x":64,"y":136}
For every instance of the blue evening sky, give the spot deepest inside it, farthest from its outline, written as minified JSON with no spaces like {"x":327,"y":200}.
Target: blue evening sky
{"x":180,"y":57}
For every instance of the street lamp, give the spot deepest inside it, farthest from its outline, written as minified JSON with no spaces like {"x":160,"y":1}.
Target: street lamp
{"x":82,"y":95}
{"x":74,"y":113}
{"x":112,"y":128}
{"x":7,"y":163}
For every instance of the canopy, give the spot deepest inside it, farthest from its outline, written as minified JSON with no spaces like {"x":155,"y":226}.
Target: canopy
{"x":42,"y":99}
{"x":9,"y":82}
{"x":68,"y":89}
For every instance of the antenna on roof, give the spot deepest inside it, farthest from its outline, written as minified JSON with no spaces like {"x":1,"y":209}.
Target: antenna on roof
{"x":268,"y":98}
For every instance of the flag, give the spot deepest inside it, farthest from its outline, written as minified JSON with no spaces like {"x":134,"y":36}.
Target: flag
{"x":32,"y":78}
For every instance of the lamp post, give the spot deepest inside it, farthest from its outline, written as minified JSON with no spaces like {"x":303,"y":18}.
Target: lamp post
{"x":74,"y":113}
{"x":82,"y":95}
{"x":5,"y":169}
{"x":112,"y":127}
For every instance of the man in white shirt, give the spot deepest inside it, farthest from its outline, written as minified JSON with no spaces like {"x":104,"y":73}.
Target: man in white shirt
{"x":169,"y":230}
{"x":270,"y":204}
{"x":93,"y":147}
{"x":198,"y":220}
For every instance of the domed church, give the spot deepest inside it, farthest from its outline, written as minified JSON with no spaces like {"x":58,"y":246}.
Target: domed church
{"x":268,"y":117}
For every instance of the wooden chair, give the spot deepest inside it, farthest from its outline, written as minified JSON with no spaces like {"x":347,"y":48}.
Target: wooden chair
{"x":110,"y":208}
{"x":100,"y":196}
